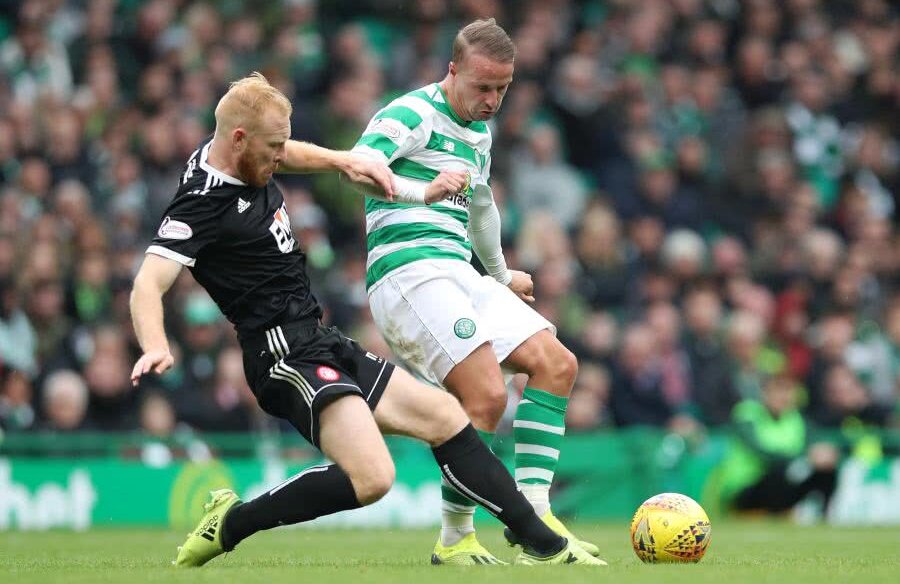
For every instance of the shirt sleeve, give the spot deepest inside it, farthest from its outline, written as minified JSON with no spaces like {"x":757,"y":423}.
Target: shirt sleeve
{"x":393,"y":133}
{"x":484,"y":233}
{"x":189,"y":224}
{"x":486,"y":169}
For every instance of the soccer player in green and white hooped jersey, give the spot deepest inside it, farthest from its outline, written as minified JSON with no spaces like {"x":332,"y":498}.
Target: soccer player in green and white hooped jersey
{"x":440,"y":317}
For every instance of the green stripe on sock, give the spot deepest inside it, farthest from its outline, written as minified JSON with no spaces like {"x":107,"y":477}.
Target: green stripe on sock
{"x":450,"y":494}
{"x":554,"y":402}
{"x":532,"y":482}
{"x":535,"y":412}
{"x":536,"y":461}
{"x":542,"y":408}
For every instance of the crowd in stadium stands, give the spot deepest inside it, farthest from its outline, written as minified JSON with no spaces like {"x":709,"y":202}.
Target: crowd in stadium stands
{"x":706,"y":192}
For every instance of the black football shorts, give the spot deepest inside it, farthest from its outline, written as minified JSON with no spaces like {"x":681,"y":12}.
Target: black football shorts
{"x":296,"y":369}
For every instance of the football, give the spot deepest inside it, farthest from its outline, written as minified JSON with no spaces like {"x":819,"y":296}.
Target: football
{"x":670,"y":528}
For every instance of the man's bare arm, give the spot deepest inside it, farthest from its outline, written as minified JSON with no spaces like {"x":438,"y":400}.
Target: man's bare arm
{"x":153,"y":280}
{"x":303,"y":157}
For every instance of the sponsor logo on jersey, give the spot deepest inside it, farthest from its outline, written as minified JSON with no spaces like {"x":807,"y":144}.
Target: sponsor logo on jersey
{"x":172,"y":229}
{"x":460,"y":200}
{"x":388,"y":127}
{"x":281,"y":230}
{"x":327,"y":373}
{"x":464,"y":328}
{"x":243,"y":205}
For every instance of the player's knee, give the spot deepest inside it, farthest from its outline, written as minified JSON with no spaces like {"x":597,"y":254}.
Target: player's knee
{"x":566,"y":366}
{"x":487,"y":407}
{"x":557,"y":364}
{"x":375,"y":482}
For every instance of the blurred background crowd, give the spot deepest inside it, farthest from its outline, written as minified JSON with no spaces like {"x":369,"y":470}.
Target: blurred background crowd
{"x":706,"y":192}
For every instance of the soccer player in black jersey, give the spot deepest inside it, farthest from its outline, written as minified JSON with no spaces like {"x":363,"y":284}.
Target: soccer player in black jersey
{"x":227,"y":223}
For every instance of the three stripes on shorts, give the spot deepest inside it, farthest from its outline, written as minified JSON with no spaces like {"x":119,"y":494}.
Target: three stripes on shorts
{"x":279,"y":349}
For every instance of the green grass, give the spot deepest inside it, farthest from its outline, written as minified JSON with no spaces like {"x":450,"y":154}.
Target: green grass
{"x":739,"y":552}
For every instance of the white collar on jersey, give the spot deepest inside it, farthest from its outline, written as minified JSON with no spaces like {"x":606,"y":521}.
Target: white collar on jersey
{"x":214,"y":171}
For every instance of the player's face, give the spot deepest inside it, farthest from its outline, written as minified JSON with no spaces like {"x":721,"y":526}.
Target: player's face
{"x":479,"y":85}
{"x":264,"y":148}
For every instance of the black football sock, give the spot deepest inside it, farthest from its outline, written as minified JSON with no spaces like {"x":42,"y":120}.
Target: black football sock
{"x":313,"y":492}
{"x":473,"y":470}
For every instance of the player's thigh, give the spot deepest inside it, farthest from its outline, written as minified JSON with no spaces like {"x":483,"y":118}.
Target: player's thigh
{"x":349,"y":437}
{"x":409,"y":407}
{"x":427,"y":316}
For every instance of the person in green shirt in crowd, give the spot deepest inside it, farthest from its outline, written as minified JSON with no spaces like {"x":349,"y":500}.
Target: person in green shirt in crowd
{"x":773,"y":464}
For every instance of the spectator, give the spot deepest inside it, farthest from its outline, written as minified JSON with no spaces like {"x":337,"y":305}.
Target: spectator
{"x":541,"y":180}
{"x":605,"y":274}
{"x":665,"y":323}
{"x":226,"y":403}
{"x":16,"y":410}
{"x":18,"y":343}
{"x":637,"y":393}
{"x":157,"y":417}
{"x":65,"y":402}
{"x":757,"y":77}
{"x":157,"y":422}
{"x":774,"y":463}
{"x":684,"y":255}
{"x":40,"y":67}
{"x":752,"y":361}
{"x":202,"y":340}
{"x":113,"y":403}
{"x":713,"y":389}
{"x":589,"y":404}
{"x":45,"y":311}
{"x":847,"y":402}
{"x":789,"y":331}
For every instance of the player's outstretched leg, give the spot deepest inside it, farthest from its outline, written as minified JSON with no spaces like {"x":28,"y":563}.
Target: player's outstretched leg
{"x":540,"y":422}
{"x":413,"y":409}
{"x":478,"y":383}
{"x":363,"y":472}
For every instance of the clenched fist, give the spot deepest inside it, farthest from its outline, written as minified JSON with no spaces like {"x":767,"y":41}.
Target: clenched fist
{"x":446,"y":184}
{"x":522,"y":285}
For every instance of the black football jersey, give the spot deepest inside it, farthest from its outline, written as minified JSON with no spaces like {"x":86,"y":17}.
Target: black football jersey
{"x":237,"y":241}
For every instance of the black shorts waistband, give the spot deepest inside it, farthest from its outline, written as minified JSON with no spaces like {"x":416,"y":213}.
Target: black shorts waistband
{"x":272,"y":335}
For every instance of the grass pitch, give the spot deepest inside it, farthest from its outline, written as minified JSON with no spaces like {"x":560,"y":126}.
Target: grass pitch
{"x":739,"y":552}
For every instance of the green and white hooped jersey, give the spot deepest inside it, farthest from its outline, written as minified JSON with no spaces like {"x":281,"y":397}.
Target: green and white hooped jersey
{"x":418,"y":135}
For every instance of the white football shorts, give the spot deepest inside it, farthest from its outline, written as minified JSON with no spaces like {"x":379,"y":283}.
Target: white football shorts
{"x":434,"y":313}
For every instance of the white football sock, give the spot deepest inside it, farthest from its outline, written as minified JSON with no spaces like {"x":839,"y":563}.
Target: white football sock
{"x":457,"y":521}
{"x":538,"y":496}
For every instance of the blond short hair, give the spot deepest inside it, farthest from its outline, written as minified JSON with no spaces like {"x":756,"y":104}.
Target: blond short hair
{"x":484,"y":37}
{"x":248,"y":98}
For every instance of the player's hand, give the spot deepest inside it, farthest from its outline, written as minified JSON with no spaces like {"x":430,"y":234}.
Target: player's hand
{"x":156,"y":361}
{"x":522,"y":285}
{"x":366,"y":170}
{"x":446,"y":184}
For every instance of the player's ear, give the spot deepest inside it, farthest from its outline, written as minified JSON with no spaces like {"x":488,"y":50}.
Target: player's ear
{"x":239,"y":139}
{"x":453,"y":69}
